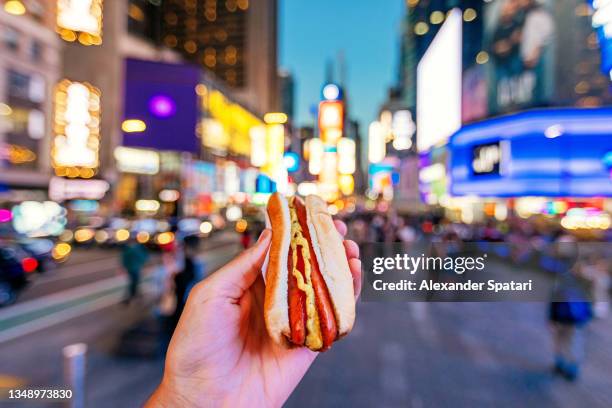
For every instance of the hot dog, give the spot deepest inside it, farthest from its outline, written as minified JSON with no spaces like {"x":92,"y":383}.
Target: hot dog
{"x":309,"y":299}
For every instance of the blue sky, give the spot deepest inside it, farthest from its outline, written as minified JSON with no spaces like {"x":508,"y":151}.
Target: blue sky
{"x":367,"y":31}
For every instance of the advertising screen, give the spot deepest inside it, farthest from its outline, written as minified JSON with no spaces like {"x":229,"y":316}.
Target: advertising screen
{"x":536,"y":53}
{"x":439,"y":86}
{"x":161,"y":100}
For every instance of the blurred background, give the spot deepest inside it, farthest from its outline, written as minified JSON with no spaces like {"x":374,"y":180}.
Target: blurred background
{"x":141,"y":139}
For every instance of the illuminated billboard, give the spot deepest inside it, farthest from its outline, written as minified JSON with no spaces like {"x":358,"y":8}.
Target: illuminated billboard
{"x":227,"y":126}
{"x":602,"y":22}
{"x":539,"y":53}
{"x":160,"y":106}
{"x":439,"y":85}
{"x":74,"y":152}
{"x":80,"y":20}
{"x":331,"y":121}
{"x":553,"y":153}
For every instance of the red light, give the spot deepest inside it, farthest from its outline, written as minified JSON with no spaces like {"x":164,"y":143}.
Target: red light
{"x":29,"y":264}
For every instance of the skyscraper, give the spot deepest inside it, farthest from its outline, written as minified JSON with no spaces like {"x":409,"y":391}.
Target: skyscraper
{"x":235,"y":39}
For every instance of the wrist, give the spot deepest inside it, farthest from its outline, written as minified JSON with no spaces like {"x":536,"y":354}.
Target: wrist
{"x":167,"y":395}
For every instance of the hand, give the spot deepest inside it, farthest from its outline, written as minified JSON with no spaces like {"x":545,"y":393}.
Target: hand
{"x":221,"y":354}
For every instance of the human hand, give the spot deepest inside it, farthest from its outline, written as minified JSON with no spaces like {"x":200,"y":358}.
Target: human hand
{"x":221,"y":354}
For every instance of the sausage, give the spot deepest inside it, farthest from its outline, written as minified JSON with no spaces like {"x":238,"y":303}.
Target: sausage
{"x":297,"y":302}
{"x":327,"y":319}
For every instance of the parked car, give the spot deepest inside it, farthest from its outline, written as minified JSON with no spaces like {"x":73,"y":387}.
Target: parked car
{"x":15,"y":265}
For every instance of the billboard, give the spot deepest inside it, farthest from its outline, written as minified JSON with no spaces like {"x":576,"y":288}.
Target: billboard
{"x":544,"y":152}
{"x":161,"y":99}
{"x":520,"y":39}
{"x":536,"y":53}
{"x":439,"y":85}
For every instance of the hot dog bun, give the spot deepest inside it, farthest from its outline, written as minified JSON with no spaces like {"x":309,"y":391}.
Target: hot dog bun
{"x":276,"y":311}
{"x":330,"y":256}
{"x":333,"y":263}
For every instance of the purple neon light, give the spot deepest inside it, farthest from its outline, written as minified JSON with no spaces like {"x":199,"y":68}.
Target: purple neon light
{"x":162,"y":106}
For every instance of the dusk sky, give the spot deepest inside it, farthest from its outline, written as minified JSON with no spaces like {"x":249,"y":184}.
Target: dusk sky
{"x":367,"y":31}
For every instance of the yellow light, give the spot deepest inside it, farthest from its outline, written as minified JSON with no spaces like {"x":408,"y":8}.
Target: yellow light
{"x":346,"y":183}
{"x":147,"y":205}
{"x":377,"y":147}
{"x":413,"y":3}
{"x":482,"y":57}
{"x":165,"y":238}
{"x":315,"y":152}
{"x":346,"y":156}
{"x":101,"y":236}
{"x":241,"y":225}
{"x":258,"y":145}
{"x":274,"y":118}
{"x":5,"y":110}
{"x":76,"y":129}
{"x":83,"y":235}
{"x":133,"y":126}
{"x":142,"y":237}
{"x":421,"y":28}
{"x":436,"y":17}
{"x":122,"y":235}
{"x":206,"y":227}
{"x":228,"y":126}
{"x":80,"y":20}
{"x":61,"y":251}
{"x":469,"y":15}
{"x":275,"y":147}
{"x":14,"y":7}
{"x":331,"y":121}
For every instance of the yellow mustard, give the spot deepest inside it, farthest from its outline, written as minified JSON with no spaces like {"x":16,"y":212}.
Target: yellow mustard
{"x":313,"y":337}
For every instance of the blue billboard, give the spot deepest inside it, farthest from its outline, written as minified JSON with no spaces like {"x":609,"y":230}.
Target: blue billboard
{"x":602,"y":23}
{"x":548,"y":152}
{"x":161,"y":99}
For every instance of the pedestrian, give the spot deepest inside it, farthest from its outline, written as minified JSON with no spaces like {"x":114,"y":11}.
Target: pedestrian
{"x":186,"y":277}
{"x":569,"y":312}
{"x":245,"y":238}
{"x":133,"y":257}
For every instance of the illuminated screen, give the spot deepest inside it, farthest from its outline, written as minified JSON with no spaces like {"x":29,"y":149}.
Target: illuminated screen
{"x":439,"y":86}
{"x":163,"y":97}
{"x":548,"y":152}
{"x":543,"y":53}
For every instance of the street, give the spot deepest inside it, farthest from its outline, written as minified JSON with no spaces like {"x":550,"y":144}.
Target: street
{"x":398,"y":354}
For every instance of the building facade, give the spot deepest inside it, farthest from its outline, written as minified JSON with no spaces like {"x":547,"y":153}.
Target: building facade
{"x":30,"y":66}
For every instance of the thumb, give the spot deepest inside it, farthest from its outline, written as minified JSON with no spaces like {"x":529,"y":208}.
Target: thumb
{"x":239,"y":274}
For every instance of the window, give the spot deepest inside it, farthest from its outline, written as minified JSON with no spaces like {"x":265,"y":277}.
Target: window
{"x":36,"y":51}
{"x":18,"y":84}
{"x":10,"y":38}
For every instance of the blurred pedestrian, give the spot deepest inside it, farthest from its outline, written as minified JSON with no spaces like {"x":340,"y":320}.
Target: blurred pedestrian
{"x":245,"y":238}
{"x":186,"y":278}
{"x":133,"y":257}
{"x":569,"y":312}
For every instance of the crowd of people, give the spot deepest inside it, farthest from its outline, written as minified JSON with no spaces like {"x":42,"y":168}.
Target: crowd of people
{"x":581,"y":270}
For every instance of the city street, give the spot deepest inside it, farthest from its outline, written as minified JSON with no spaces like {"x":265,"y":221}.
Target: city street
{"x":398,"y":355}
{"x":463,"y":150}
